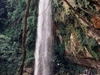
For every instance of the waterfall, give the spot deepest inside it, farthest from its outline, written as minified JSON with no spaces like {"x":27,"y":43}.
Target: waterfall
{"x":43,"y":51}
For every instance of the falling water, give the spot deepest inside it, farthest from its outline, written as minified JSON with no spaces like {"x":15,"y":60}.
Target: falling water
{"x":43,"y":51}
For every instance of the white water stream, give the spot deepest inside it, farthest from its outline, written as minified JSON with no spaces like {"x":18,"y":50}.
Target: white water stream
{"x":43,"y":51}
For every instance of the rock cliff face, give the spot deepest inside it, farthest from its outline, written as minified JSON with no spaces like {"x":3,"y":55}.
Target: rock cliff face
{"x":81,"y":55}
{"x":82,"y":42}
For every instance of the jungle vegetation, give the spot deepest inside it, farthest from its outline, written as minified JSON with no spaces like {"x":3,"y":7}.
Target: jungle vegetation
{"x":76,"y":36}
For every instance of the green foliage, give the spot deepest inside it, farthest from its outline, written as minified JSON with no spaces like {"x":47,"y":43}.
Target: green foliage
{"x":3,"y":15}
{"x":9,"y":56}
{"x":57,"y":7}
{"x":11,"y":39}
{"x":88,"y":6}
{"x":29,"y":58}
{"x":88,"y":42}
{"x":10,"y":42}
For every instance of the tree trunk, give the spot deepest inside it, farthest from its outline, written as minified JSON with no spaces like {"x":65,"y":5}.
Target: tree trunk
{"x":24,"y":38}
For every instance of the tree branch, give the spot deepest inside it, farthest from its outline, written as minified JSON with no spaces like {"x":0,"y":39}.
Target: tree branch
{"x":82,"y":18}
{"x":24,"y":38}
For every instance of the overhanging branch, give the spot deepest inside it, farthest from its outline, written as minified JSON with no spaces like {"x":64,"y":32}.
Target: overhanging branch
{"x":82,"y":18}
